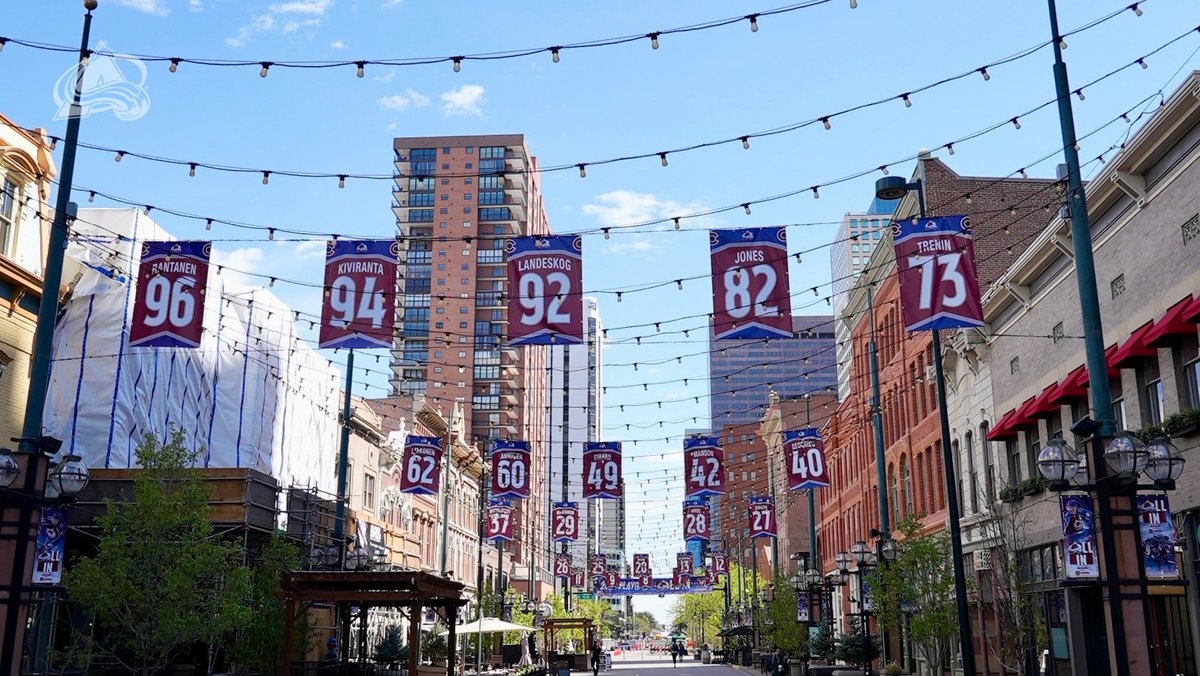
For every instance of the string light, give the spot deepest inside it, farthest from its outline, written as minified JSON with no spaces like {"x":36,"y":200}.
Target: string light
{"x":266,"y":67}
{"x":3,"y":41}
{"x":619,"y":294}
{"x":607,"y":233}
{"x":984,"y":73}
{"x":191,"y":168}
{"x":1024,"y":174}
{"x":174,"y":65}
{"x":120,"y":156}
{"x":271,"y":233}
{"x":653,"y":40}
{"x":91,"y":196}
{"x":53,"y":142}
{"x":457,"y":63}
{"x":746,"y":143}
{"x":1143,"y":64}
{"x":825,"y":121}
{"x":753,"y":23}
{"x":884,"y":169}
{"x":816,"y":193}
{"x":266,"y":177}
{"x":969,"y":200}
{"x":907,"y":101}
{"x":663,"y":157}
{"x":208,"y":225}
{"x":1079,"y":93}
{"x":554,"y":54}
{"x":341,"y":180}
{"x":950,"y":148}
{"x":1136,"y":10}
{"x":362,"y":68}
{"x":1062,"y":43}
{"x":746,"y":206}
{"x":1016,"y":123}
{"x":679,"y":283}
{"x":676,"y":219}
{"x":853,"y":4}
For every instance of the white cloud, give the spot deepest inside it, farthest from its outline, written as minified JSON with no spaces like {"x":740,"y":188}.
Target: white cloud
{"x":155,"y":7}
{"x":236,"y":263}
{"x":387,"y":4}
{"x":313,"y":7}
{"x":409,"y":99}
{"x":337,"y":44}
{"x":293,"y":25}
{"x":626,"y":207}
{"x":635,"y":245}
{"x":310,"y":249}
{"x":464,"y":101}
{"x":196,"y":5}
{"x":386,"y":77}
{"x":391,"y":126}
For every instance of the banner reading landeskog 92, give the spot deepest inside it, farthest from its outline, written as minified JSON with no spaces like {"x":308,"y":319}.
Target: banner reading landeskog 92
{"x":359,"y":307}
{"x":545,"y":282}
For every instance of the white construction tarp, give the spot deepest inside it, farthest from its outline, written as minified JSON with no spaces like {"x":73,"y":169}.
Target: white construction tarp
{"x":252,"y":395}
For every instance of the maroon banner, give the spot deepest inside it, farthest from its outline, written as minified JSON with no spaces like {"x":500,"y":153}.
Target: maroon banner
{"x":703,"y":466}
{"x":762,"y":517}
{"x":750,"y":283}
{"x":935,"y":262}
{"x":499,"y":520}
{"x":680,"y":578}
{"x":683,"y":562}
{"x":169,"y":308}
{"x":804,"y":451}
{"x":359,"y":309}
{"x":720,"y":563}
{"x":641,"y":564}
{"x":645,"y":580}
{"x":510,"y":468}
{"x":564,"y":522}
{"x":545,"y":281}
{"x":602,"y":469}
{"x":422,"y":465}
{"x":597,"y":564}
{"x":578,"y":578}
{"x":696,"y":526}
{"x":562,"y":565}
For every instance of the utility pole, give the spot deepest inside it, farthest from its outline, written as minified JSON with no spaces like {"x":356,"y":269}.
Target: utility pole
{"x":445,"y":489}
{"x":483,"y":479}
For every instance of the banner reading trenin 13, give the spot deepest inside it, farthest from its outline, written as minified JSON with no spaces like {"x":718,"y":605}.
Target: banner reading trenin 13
{"x":804,"y":452}
{"x":762,"y":517}
{"x":499,"y":520}
{"x":935,"y":258}
{"x":750,"y":283}
{"x":422,"y":464}
{"x":695,"y":521}
{"x":545,"y":281}
{"x":602,"y":469}
{"x":359,"y":309}
{"x":564,"y":522}
{"x":510,"y":468}
{"x":703,"y":466}
{"x":169,"y":309}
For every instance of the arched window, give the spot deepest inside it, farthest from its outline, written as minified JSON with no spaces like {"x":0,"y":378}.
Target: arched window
{"x":920,"y":500}
{"x":906,"y":484}
{"x":937,"y":483}
{"x":959,"y":478}
{"x":894,"y":492}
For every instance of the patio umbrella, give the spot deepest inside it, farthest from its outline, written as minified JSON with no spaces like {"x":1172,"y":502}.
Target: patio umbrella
{"x":487,"y":625}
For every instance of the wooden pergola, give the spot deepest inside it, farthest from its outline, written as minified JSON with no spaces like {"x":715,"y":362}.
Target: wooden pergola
{"x":366,"y":589}
{"x":551,"y":626}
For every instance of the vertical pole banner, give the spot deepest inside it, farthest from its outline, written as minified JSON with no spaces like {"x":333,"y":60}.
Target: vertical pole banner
{"x":695,"y":521}
{"x":1158,"y":536}
{"x":499,"y":521}
{"x":1079,"y":536}
{"x":703,"y":466}
{"x":750,"y":283}
{"x":804,"y":451}
{"x":602,"y":469}
{"x":562,"y":565}
{"x":510,"y":468}
{"x":802,"y":612}
{"x":169,"y":309}
{"x":720,"y":563}
{"x":939,"y":288}
{"x":577,"y":578}
{"x":564,"y":519}
{"x":597,"y":564}
{"x":359,"y":309}
{"x":762,"y":517}
{"x":422,"y":463}
{"x":641,"y":564}
{"x":545,"y":281}
{"x":683,"y":562}
{"x":51,"y":541}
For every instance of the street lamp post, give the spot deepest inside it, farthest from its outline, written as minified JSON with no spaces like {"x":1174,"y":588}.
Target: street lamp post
{"x":892,"y":187}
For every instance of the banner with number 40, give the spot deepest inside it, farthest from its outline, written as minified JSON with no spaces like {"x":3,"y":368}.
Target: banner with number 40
{"x":804,"y":452}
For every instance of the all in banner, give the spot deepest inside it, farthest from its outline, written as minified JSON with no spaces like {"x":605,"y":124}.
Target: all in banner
{"x":1158,"y":537}
{"x":696,"y":525}
{"x":750,"y":283}
{"x":802,"y":611}
{"x":602,"y":469}
{"x":632,"y":586}
{"x":564,"y":522}
{"x":499,"y":520}
{"x":51,"y":542}
{"x":1079,"y":536}
{"x":545,"y":281}
{"x":935,"y":260}
{"x":359,"y":309}
{"x":169,"y":308}
{"x":762,"y":517}
{"x":804,"y":451}
{"x":562,"y":565}
{"x":422,"y":462}
{"x":703,"y":466}
{"x":641,"y":565}
{"x":510,"y":468}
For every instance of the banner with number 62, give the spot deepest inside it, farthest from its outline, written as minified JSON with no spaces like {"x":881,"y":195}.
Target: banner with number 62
{"x":939,"y":287}
{"x":510,"y":468}
{"x":804,"y":451}
{"x":169,"y":309}
{"x":422,"y":463}
{"x":359,"y":310}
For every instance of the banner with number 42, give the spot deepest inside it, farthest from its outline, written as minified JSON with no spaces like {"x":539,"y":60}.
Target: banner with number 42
{"x":360,"y":293}
{"x":703,"y":466}
{"x":804,"y":451}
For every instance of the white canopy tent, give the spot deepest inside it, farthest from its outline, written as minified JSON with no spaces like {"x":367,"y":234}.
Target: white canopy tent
{"x":487,"y":625}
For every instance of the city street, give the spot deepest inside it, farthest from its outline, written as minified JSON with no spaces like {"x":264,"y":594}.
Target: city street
{"x":634,"y":662}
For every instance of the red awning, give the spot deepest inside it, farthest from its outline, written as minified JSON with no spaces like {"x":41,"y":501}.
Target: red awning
{"x":1025,"y":413}
{"x":1074,"y":386}
{"x":1133,"y":348}
{"x":1171,"y":324}
{"x":1002,"y":427}
{"x":1192,"y":312}
{"x":1043,"y":404}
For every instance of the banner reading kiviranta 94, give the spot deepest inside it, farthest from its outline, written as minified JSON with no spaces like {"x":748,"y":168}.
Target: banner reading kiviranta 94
{"x":359,"y":308}
{"x":545,"y":297}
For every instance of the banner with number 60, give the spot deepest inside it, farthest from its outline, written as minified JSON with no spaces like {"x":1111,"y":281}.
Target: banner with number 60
{"x":510,"y":468}
{"x":804,"y":452}
{"x":359,"y":308}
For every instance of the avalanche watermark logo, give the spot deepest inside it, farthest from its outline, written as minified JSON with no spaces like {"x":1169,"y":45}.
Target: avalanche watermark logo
{"x":111,"y":82}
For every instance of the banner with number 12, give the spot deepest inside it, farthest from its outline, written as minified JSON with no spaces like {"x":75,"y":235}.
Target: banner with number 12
{"x":359,"y":309}
{"x":939,"y":287}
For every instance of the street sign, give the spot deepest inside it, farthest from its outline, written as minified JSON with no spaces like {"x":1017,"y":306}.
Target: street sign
{"x":586,"y":596}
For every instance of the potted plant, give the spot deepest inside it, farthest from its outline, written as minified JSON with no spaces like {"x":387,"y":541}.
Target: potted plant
{"x":857,"y":647}
{"x":391,"y":648}
{"x":893,"y":669}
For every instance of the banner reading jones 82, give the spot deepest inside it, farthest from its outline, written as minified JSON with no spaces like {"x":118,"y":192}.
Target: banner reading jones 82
{"x":750,"y":283}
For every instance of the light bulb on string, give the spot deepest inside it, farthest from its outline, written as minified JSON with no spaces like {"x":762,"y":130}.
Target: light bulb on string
{"x":341,"y":180}
{"x":1016,"y":123}
{"x":120,"y":156}
{"x":884,"y":169}
{"x":663,"y":157}
{"x":457,"y":63}
{"x":950,"y":148}
{"x":53,"y":142}
{"x":191,"y":168}
{"x":607,"y":234}
{"x":554,"y":54}
{"x":816,"y":193}
{"x":746,"y":143}
{"x":984,"y":73}
{"x":1079,"y":93}
{"x":174,"y":65}
{"x":1136,"y":10}
{"x":1143,"y":64}
{"x":271,"y":233}
{"x":825,"y":120}
{"x":362,"y":68}
{"x":266,"y":67}
{"x":676,"y":219}
{"x":208,"y":224}
{"x":907,"y":101}
{"x":753,"y":23}
{"x":746,"y":206}
{"x":653,"y":40}
{"x":582,"y":170}
{"x":266,"y":177}
{"x":679,"y":283}
{"x":1024,"y":174}
{"x":91,"y":195}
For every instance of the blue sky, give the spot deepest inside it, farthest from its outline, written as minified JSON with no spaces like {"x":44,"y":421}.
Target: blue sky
{"x":593,"y":105}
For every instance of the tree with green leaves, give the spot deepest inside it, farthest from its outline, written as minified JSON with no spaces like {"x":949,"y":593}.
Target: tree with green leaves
{"x":783,"y":629}
{"x":644,"y":623}
{"x":857,"y":647}
{"x":1016,"y":611}
{"x":690,"y":608}
{"x":256,"y":643}
{"x":919,"y":587}
{"x":824,"y":644}
{"x":161,"y":581}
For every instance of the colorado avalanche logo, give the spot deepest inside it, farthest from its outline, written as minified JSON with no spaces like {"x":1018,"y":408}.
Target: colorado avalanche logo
{"x":577,"y":243}
{"x":749,"y":233}
{"x":207,"y":249}
{"x":145,"y":248}
{"x":510,"y":245}
{"x":541,"y":243}
{"x":895,"y":229}
{"x":175,"y":248}
{"x":362,"y":247}
{"x":329,"y":245}
{"x":713,"y":238}
{"x":394,"y":249}
{"x":931,"y":225}
{"x":966,"y":225}
{"x":781,"y":235}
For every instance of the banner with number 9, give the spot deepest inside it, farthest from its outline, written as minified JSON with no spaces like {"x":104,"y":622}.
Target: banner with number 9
{"x":750,"y":283}
{"x":696,"y":522}
{"x":359,"y":308}
{"x":169,"y":309}
{"x":510,"y":468}
{"x":422,"y":465}
{"x":564,"y":522}
{"x":762,"y":517}
{"x":935,"y":259}
{"x":545,"y":297}
{"x":602,"y":469}
{"x":804,"y":453}
{"x":703,"y":466}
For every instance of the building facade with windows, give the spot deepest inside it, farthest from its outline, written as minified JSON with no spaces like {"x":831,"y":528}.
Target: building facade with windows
{"x":26,"y":171}
{"x":857,"y":236}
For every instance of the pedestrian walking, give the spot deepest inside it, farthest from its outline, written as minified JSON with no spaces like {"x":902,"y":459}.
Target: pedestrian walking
{"x":674,"y":654}
{"x":596,"y":655}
